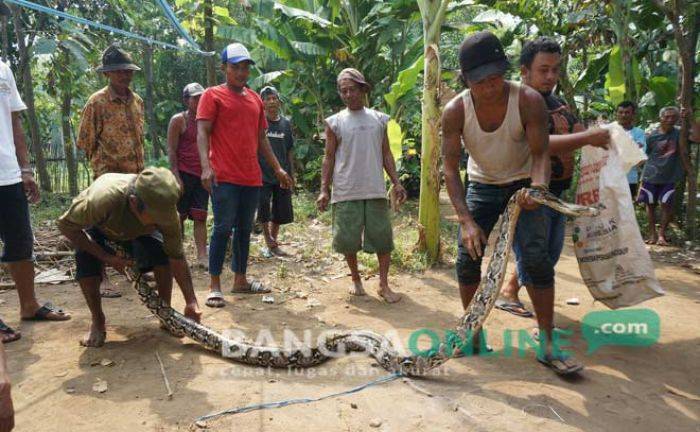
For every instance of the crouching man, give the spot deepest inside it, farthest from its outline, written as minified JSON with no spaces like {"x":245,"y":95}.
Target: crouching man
{"x":138,"y":212}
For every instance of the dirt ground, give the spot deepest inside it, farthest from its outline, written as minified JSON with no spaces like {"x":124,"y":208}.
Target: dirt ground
{"x":644,"y":389}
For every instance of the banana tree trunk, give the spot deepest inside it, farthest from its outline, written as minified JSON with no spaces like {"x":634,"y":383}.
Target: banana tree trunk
{"x":433,"y":14}
{"x":209,"y":42}
{"x":28,"y":87}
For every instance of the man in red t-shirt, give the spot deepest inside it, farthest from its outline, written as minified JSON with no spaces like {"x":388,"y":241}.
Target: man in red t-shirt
{"x":231,"y":129}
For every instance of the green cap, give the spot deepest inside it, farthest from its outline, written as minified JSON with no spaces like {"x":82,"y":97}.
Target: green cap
{"x":160,"y":192}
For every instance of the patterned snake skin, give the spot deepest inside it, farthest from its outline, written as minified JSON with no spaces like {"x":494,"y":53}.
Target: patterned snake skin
{"x":373,"y":344}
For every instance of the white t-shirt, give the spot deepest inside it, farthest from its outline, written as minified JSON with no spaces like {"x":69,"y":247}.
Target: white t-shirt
{"x":359,"y":164}
{"x":10,"y":102}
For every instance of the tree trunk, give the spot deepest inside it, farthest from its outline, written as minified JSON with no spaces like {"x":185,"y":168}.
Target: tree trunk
{"x":68,"y":144}
{"x":685,"y":31}
{"x":209,"y":42}
{"x":28,"y":86}
{"x":5,"y":42}
{"x":156,"y":148}
{"x":688,"y":64}
{"x":433,"y":14}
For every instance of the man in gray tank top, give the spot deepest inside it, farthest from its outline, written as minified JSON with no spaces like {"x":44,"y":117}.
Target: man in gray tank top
{"x":499,"y":120}
{"x":357,"y":153}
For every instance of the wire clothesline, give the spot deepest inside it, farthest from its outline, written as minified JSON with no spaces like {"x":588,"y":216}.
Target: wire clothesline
{"x":193,"y":46}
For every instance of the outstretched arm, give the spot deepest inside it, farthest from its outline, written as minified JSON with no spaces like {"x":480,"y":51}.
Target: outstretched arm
{"x":534,"y":114}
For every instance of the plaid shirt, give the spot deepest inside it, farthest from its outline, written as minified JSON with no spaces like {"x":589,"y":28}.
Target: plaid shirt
{"x":111,"y":133}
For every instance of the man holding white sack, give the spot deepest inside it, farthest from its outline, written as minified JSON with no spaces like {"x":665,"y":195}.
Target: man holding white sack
{"x":540,"y":63}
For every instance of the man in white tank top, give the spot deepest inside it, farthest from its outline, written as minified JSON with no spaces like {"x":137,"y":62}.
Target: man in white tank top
{"x":504,"y":129}
{"x":356,"y":155}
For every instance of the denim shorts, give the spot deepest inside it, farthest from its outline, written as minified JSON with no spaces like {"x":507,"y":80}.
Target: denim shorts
{"x":555,"y":226}
{"x":486,"y":203}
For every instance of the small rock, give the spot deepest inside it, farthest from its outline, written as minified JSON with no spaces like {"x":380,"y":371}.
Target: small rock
{"x":272,"y":380}
{"x":70,"y":390}
{"x":61,"y":374}
{"x":375,"y":423}
{"x":302,"y":295}
{"x":268,"y":299}
{"x":573,"y":301}
{"x":353,"y":405}
{"x":100,"y":386}
{"x":347,"y":306}
{"x":106,"y":362}
{"x":312,"y":302}
{"x":201,"y":424}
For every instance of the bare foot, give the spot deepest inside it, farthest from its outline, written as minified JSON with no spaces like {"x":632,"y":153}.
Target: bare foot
{"x":662,"y":241}
{"x":388,"y":295}
{"x":356,"y":288}
{"x":95,"y":337}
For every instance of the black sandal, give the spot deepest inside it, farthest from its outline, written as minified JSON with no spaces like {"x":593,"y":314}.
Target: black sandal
{"x":8,"y":333}
{"x":42,"y":314}
{"x":558,"y":363}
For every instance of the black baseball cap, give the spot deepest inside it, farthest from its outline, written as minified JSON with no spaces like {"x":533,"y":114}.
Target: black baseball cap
{"x":481,"y":55}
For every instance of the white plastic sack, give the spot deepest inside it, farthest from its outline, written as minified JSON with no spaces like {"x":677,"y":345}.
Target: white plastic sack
{"x":614,"y":263}
{"x":630,"y":154}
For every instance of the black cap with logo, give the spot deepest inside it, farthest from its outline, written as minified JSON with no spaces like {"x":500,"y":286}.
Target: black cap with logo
{"x":481,"y":55}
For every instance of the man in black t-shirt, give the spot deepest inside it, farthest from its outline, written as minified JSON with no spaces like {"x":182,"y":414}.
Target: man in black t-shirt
{"x":275,"y":202}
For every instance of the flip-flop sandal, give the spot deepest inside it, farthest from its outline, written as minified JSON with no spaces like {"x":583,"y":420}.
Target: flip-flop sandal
{"x":42,"y":314}
{"x":558,"y":364}
{"x":255,"y":287}
{"x":266,"y":253}
{"x":108,"y":293}
{"x":512,"y":307}
{"x":8,"y":334}
{"x":215,"y":299}
{"x":278,"y":252}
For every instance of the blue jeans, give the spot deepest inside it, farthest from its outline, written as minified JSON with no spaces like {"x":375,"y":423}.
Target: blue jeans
{"x":555,"y":225}
{"x":486,"y":203}
{"x":234,"y":209}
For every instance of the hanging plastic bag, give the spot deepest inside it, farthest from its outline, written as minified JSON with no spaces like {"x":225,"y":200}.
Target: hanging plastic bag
{"x":630,"y":154}
{"x":613,"y":260}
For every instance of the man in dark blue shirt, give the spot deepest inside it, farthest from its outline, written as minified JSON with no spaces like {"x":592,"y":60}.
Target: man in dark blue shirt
{"x":661,"y":172}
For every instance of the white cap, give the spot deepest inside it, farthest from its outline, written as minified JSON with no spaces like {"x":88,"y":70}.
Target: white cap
{"x":192,"y":89}
{"x":235,"y":53}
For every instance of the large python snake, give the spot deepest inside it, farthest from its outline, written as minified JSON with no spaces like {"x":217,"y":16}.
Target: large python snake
{"x":373,"y":344}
